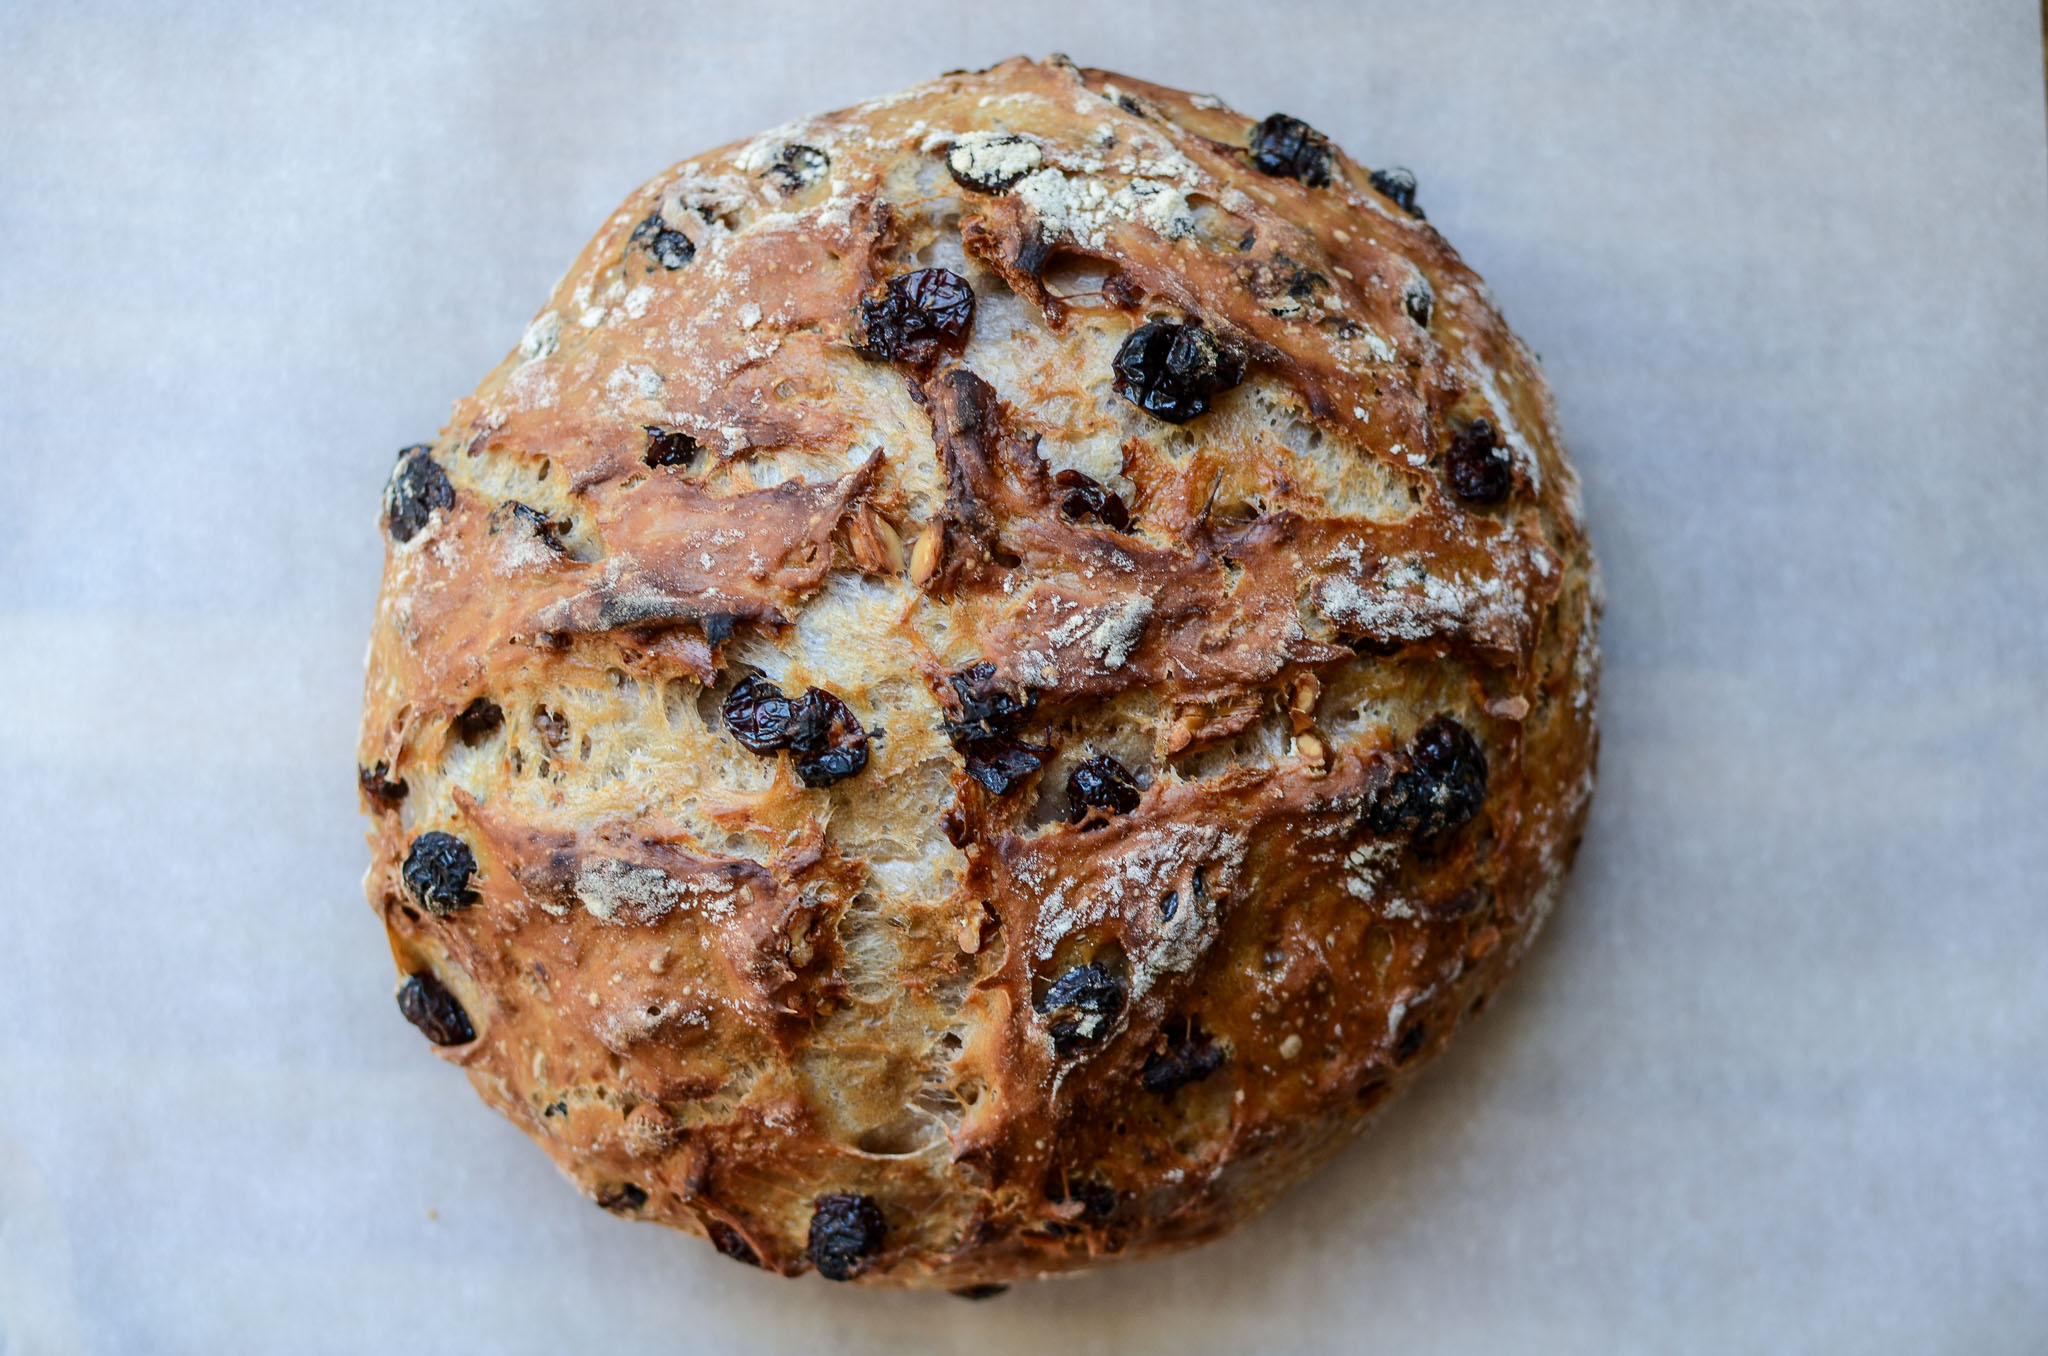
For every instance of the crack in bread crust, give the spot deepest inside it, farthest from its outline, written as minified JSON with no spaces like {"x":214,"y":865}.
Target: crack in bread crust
{"x":1357,"y":710}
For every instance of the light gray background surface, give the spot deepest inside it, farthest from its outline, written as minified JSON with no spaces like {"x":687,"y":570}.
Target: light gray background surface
{"x":1776,"y":1079}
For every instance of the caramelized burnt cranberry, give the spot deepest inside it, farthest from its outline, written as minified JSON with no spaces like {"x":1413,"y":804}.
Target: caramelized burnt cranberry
{"x":918,"y":317}
{"x":1289,"y":148}
{"x":1100,"y":783}
{"x":1170,"y":371}
{"x":418,"y":486}
{"x":846,"y":1230}
{"x":1083,"y":496}
{"x":437,"y":1013}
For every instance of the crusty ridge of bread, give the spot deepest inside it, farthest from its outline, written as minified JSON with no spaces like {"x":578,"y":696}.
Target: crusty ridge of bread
{"x":717,"y":996}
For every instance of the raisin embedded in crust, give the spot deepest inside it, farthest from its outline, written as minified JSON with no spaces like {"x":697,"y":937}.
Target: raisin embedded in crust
{"x":1190,"y":1056}
{"x":622,"y":1198}
{"x":378,"y":788}
{"x":918,"y":317}
{"x":437,"y":873}
{"x":797,"y":167}
{"x":1440,"y":789}
{"x":1100,"y":783}
{"x":670,"y":447}
{"x":477,"y":722}
{"x":846,"y":1230}
{"x":670,"y":249}
{"x":1418,"y":298}
{"x":984,"y":732}
{"x":1478,"y":468}
{"x":990,"y":162}
{"x":818,"y":728}
{"x":1083,"y":496}
{"x":758,"y":714}
{"x":1081,"y":1005}
{"x":418,"y":487}
{"x":728,"y":1241}
{"x":1289,"y":148}
{"x":1398,"y":185}
{"x":1170,"y":371}
{"x":435,"y":1011}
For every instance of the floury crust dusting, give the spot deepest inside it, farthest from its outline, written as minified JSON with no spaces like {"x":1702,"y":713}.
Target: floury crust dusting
{"x":996,"y":671}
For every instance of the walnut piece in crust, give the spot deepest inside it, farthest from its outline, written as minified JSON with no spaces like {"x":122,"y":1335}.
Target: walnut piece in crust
{"x":997,"y":671}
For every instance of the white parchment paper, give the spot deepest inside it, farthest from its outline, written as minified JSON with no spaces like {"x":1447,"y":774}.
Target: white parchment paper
{"x":1776,"y":1079}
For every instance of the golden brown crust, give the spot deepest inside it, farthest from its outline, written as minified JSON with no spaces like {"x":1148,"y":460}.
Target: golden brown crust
{"x":717,"y":995}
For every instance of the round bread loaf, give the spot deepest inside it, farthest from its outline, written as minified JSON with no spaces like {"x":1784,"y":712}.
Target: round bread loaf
{"x":997,"y":670}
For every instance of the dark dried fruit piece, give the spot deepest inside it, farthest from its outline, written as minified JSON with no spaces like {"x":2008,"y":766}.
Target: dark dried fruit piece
{"x":1170,"y":371}
{"x":987,"y":1290}
{"x":670,"y":249}
{"x":1410,"y":1044}
{"x":758,"y":713}
{"x":1419,"y":299}
{"x":418,"y":486}
{"x":1100,"y":783}
{"x":381,"y":792}
{"x":918,"y":317}
{"x":1082,"y":1005}
{"x":670,"y":447}
{"x":1478,"y":467}
{"x":818,"y":728}
{"x":991,"y":164}
{"x":728,"y":1241}
{"x":1442,"y":786}
{"x":1097,"y":1199}
{"x":622,"y":1198}
{"x":828,"y":741}
{"x":437,"y":871}
{"x":988,"y":708}
{"x":1288,"y":147}
{"x":846,"y":1230}
{"x":798,"y":167}
{"x":1190,"y":1056}
{"x":1083,"y":496}
{"x":517,"y":517}
{"x":478,"y":721}
{"x":436,"y":1012}
{"x":1003,"y":764}
{"x":1399,"y":185}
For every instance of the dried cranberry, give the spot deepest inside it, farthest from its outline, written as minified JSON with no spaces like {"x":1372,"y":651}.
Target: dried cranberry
{"x":728,"y":1241}
{"x":437,"y":871}
{"x":478,"y":721}
{"x":1190,"y":1056}
{"x":1288,"y":147}
{"x":758,"y":713}
{"x":418,"y":486}
{"x":670,"y":249}
{"x":798,"y":167}
{"x":1399,"y":185}
{"x":1083,"y":496}
{"x":1100,"y":783}
{"x":1478,"y":467}
{"x":918,"y":316}
{"x":1440,"y":789}
{"x":622,"y":1198}
{"x":381,"y":792}
{"x":1082,"y":1005}
{"x":1170,"y":371}
{"x":436,"y":1012}
{"x":846,"y":1230}
{"x":827,"y":740}
{"x":670,"y":447}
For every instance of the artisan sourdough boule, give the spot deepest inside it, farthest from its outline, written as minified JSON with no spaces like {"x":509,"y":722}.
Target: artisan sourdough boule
{"x":996,"y":671}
